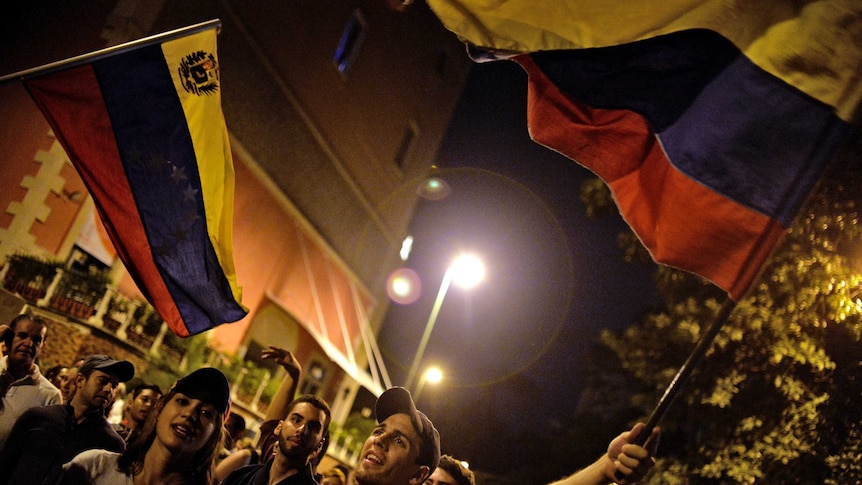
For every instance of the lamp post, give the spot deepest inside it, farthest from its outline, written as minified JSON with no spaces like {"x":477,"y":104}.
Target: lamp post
{"x":433,"y":375}
{"x":466,"y":271}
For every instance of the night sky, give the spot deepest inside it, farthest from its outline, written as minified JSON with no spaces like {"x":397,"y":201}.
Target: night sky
{"x":554,"y":278}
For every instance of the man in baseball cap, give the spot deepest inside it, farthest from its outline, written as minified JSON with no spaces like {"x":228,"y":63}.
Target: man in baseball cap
{"x":404,"y":448}
{"x":123,"y":370}
{"x":44,"y":438}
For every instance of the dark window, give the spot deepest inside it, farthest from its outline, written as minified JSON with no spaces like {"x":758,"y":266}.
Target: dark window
{"x":351,"y":41}
{"x":80,"y":260}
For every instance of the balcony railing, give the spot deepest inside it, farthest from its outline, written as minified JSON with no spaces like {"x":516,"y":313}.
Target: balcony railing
{"x":91,"y":299}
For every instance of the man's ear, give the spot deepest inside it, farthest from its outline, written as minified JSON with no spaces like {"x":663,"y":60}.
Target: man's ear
{"x":277,"y":430}
{"x":316,"y":449}
{"x":422,"y":473}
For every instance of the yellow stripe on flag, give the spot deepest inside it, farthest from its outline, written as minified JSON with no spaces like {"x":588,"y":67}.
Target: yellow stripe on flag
{"x":813,"y":46}
{"x":200,"y":95}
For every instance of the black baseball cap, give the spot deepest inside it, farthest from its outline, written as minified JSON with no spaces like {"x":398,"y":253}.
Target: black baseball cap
{"x":207,"y":384}
{"x":123,"y":369}
{"x":398,"y":400}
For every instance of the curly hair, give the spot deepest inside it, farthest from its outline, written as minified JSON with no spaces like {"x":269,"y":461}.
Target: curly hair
{"x":200,"y":467}
{"x":461,"y":474}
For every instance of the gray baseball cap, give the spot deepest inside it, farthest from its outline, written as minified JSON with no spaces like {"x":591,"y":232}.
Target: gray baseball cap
{"x":398,"y":400}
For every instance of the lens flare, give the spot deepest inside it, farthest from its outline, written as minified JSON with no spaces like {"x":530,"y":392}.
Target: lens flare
{"x":403,"y":286}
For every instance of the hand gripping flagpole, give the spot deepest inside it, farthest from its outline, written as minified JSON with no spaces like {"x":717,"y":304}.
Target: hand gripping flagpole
{"x":109,"y":51}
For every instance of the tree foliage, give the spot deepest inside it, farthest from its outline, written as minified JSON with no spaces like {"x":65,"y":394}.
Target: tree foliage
{"x":777,"y":397}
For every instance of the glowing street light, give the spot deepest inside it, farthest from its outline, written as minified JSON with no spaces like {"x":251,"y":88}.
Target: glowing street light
{"x":431,"y":375}
{"x":465,"y":271}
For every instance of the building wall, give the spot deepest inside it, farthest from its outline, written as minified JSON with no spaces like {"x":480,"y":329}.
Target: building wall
{"x":329,"y":140}
{"x":280,"y":258}
{"x":326,"y":142}
{"x":28,"y":162}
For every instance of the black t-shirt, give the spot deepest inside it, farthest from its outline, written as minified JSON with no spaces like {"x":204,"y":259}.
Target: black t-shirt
{"x":259,"y":475}
{"x":45,"y":438}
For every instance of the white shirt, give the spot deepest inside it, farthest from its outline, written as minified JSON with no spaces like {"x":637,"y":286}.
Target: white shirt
{"x":100,"y":466}
{"x":32,"y":390}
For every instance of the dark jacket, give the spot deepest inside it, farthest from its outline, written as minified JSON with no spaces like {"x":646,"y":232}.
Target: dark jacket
{"x":259,"y":475}
{"x":45,"y":438}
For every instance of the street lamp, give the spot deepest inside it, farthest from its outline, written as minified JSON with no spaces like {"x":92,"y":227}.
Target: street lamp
{"x":433,"y":375}
{"x":465,"y":271}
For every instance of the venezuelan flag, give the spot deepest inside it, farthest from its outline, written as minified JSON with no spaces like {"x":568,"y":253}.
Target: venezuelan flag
{"x":145,"y":130}
{"x":710,"y":121}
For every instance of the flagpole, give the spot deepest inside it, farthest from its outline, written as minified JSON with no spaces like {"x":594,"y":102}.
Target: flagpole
{"x":702,"y":346}
{"x":685,"y":371}
{"x":109,"y":51}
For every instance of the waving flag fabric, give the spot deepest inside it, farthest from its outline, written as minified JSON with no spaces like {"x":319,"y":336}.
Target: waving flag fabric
{"x":145,"y":130}
{"x":710,"y":121}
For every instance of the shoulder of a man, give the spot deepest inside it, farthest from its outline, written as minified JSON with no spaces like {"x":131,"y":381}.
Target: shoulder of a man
{"x":99,"y":430}
{"x":246,"y":475}
{"x":39,"y":414}
{"x":49,"y":391}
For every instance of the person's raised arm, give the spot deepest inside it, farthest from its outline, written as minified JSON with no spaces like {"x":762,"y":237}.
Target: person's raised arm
{"x":625,"y":463}
{"x":277,"y":409}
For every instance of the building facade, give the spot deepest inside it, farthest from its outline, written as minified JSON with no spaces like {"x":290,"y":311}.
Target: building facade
{"x":335,"y":110}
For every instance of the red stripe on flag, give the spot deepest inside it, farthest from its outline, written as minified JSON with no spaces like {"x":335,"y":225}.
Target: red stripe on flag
{"x":681,"y":222}
{"x":73,"y":103}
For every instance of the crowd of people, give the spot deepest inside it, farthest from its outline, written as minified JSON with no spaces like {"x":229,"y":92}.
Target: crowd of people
{"x":74,"y":426}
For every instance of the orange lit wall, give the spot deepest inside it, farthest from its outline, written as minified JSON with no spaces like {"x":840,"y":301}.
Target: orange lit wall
{"x":275,"y":254}
{"x":24,"y":132}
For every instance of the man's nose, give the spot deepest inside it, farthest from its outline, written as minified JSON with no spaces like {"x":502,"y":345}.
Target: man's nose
{"x":382,"y":440}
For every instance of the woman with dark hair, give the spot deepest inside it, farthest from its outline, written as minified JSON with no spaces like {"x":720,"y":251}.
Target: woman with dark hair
{"x":179,"y":443}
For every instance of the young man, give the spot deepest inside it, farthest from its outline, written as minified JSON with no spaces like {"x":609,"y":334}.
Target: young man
{"x":404,"y":449}
{"x":71,"y":384}
{"x":276,"y":410}
{"x":137,"y":408}
{"x":235,"y":429}
{"x":21,"y":385}
{"x":451,"y":472}
{"x":45,"y":438}
{"x":300,"y":438}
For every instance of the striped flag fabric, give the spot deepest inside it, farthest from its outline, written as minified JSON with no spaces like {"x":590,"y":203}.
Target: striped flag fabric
{"x":145,"y":130}
{"x":710,"y":121}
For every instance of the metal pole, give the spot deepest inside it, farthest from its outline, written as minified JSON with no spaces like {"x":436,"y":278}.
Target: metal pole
{"x":696,"y":356}
{"x":109,"y":51}
{"x":444,"y":287}
{"x":419,"y":387}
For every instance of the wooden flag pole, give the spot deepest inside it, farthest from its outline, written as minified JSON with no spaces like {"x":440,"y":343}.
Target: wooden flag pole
{"x":109,"y":51}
